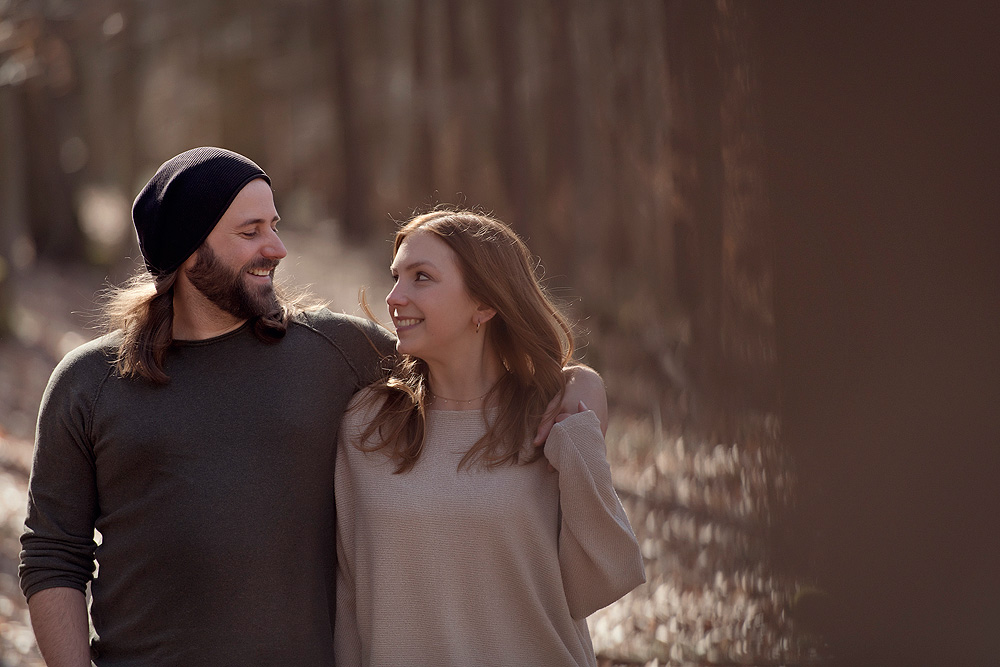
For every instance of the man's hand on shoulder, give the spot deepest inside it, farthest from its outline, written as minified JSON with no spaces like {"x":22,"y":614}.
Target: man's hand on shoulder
{"x":583,"y":385}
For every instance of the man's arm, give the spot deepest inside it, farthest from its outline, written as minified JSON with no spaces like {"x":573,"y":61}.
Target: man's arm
{"x":59,"y":619}
{"x":583,"y":384}
{"x":57,"y":556}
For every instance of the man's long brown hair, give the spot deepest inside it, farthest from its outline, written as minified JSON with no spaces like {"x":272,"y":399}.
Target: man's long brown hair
{"x":143,"y":311}
{"x":532,"y":339}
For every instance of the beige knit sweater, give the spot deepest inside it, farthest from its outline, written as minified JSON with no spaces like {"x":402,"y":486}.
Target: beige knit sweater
{"x":477,"y":567}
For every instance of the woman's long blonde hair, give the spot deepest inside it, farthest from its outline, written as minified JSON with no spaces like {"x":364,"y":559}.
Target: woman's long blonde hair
{"x":529,"y":335}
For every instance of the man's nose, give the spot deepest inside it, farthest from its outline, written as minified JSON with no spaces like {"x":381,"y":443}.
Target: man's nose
{"x":274,"y":248}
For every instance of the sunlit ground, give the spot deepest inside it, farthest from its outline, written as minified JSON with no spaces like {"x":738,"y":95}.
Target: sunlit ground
{"x":709,"y":598}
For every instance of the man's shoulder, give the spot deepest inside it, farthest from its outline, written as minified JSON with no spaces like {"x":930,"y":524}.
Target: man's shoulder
{"x":323,"y":317}
{"x":341,"y":328}
{"x":91,"y":360}
{"x":361,"y":343}
{"x":94,"y":353}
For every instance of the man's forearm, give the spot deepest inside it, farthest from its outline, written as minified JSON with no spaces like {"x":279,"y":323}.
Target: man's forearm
{"x":59,"y":619}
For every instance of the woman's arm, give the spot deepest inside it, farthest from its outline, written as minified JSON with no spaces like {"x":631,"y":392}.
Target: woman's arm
{"x":598,"y":553}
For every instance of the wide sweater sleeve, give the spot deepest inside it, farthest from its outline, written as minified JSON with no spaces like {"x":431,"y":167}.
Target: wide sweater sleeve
{"x":58,"y":541}
{"x":598,"y":553}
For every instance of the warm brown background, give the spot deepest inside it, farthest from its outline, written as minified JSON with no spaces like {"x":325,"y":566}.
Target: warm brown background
{"x":776,"y":223}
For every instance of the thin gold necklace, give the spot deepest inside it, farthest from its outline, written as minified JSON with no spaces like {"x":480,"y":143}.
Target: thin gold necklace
{"x":457,"y":400}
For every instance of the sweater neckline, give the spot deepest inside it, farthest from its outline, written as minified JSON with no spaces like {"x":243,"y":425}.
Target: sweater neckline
{"x":214,"y":339}
{"x":477,"y":411}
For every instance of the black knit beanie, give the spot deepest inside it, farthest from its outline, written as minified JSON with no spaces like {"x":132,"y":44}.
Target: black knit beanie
{"x":184,"y":200}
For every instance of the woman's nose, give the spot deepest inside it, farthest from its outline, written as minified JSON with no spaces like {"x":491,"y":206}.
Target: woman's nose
{"x":395,"y":297}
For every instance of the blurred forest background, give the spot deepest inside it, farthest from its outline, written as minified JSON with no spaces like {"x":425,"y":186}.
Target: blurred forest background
{"x":578,"y":123}
{"x":741,"y":203}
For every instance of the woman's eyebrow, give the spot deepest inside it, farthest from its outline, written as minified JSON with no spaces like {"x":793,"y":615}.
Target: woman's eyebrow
{"x":412,"y":265}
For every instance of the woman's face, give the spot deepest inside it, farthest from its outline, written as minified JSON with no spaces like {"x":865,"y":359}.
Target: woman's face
{"x":434,"y":316}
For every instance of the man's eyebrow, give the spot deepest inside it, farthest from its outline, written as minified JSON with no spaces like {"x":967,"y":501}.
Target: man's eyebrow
{"x":257,"y":221}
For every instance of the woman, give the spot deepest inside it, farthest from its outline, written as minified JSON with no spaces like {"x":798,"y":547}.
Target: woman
{"x":458,"y":542}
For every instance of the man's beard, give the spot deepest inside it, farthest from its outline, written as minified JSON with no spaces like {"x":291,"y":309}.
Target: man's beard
{"x":228,"y":290}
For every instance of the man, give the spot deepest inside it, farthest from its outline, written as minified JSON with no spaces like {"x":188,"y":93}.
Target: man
{"x":198,"y":438}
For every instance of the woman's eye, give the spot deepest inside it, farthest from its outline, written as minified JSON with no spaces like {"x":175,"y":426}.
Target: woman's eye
{"x":248,"y":235}
{"x":422,"y":276}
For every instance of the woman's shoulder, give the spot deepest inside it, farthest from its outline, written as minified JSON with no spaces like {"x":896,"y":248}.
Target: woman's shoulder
{"x":367,"y":396}
{"x":362,"y":408}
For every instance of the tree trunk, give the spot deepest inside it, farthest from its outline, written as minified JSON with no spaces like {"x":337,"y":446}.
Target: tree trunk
{"x":13,"y":204}
{"x":699,"y":181}
{"x":352,"y":130}
{"x":510,"y":150}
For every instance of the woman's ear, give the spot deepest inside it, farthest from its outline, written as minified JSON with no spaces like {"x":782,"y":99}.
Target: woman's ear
{"x":484,"y":314}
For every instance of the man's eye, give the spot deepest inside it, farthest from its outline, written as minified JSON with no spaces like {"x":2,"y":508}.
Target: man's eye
{"x":248,"y":235}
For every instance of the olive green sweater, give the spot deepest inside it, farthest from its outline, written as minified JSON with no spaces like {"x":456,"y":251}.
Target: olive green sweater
{"x":213,"y":494}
